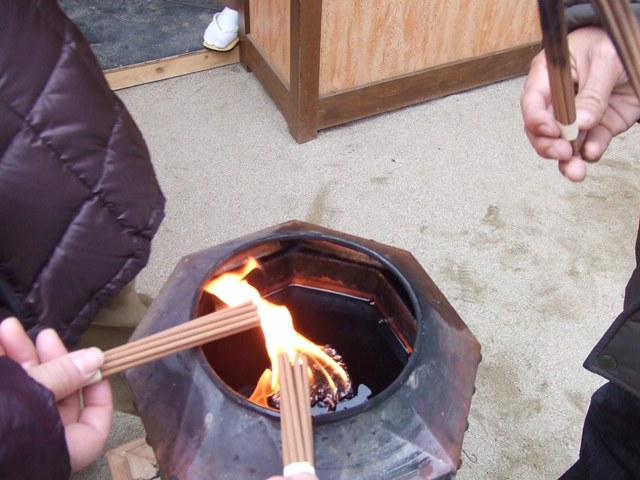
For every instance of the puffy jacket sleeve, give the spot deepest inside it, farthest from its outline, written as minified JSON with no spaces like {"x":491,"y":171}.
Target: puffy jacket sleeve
{"x":79,"y":199}
{"x":580,"y":13}
{"x":32,"y":445}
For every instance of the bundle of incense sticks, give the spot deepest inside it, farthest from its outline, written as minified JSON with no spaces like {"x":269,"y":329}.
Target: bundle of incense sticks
{"x":196,"y":332}
{"x":295,"y":415}
{"x":618,"y":18}
{"x":556,"y":48}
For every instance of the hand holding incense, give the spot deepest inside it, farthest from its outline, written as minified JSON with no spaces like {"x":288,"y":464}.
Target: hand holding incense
{"x":556,"y":48}
{"x":621,"y":24}
{"x":295,"y":415}
{"x":196,"y":332}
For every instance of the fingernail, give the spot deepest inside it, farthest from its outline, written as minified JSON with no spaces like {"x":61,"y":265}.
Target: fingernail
{"x":561,"y":168}
{"x":95,"y":378}
{"x":12,"y":321}
{"x":584,"y":117}
{"x":88,"y":360}
{"x":591,"y":151}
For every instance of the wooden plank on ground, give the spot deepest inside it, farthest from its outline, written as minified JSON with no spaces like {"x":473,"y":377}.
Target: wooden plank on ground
{"x":169,"y":67}
{"x":133,"y":461}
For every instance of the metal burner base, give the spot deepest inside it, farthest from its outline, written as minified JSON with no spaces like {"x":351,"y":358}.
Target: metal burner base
{"x":201,"y":428}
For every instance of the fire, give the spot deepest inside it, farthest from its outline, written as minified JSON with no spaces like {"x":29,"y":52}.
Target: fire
{"x":280,"y":336}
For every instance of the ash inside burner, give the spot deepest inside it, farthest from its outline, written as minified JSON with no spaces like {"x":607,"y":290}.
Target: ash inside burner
{"x":323,"y":395}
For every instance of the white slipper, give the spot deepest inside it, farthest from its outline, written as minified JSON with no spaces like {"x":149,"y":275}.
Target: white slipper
{"x":222,"y":32}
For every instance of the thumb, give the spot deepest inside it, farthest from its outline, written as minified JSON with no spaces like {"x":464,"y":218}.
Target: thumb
{"x":591,"y":104}
{"x":593,"y":98}
{"x":68,"y":373}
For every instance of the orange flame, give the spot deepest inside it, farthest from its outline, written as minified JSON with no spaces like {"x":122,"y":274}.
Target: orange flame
{"x":279,"y":333}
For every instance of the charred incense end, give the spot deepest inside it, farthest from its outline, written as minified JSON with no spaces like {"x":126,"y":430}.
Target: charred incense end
{"x":326,"y":391}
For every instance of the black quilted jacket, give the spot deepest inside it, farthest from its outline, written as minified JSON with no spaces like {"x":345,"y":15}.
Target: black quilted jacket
{"x":79,"y":205}
{"x":33,"y":445}
{"x":617,"y":355}
{"x":79,"y":201}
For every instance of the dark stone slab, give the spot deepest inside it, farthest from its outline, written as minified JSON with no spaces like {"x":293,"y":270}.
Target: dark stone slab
{"x":125,"y":32}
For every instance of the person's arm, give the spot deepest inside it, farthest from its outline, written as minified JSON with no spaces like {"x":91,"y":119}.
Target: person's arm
{"x":48,"y":368}
{"x":605,"y":103}
{"x":33,"y":445}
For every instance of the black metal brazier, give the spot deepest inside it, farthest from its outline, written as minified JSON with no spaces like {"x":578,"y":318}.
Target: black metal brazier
{"x":399,"y":337}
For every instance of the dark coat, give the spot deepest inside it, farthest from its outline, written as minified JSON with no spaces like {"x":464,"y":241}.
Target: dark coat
{"x":580,"y":13}
{"x":617,"y":355}
{"x":33,"y":446}
{"x":79,"y":200}
{"x":79,"y":205}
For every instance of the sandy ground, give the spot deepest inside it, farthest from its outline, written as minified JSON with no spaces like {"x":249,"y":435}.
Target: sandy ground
{"x":536,"y":266}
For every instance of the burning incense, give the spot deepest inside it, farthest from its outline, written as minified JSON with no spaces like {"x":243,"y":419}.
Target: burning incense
{"x":621,"y":24}
{"x":295,"y":415}
{"x":196,"y":332}
{"x":556,"y":48}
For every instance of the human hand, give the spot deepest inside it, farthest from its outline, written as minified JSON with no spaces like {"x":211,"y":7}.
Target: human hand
{"x":87,"y":423}
{"x":606,"y":104}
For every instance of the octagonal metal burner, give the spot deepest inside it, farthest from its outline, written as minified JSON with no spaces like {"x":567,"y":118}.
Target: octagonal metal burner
{"x":406,"y":349}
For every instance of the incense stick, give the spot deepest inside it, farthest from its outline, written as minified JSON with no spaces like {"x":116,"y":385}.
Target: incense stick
{"x":556,"y":48}
{"x":196,"y":332}
{"x":618,"y":18}
{"x":295,"y":415}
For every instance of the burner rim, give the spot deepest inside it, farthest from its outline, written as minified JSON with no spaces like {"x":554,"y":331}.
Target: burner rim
{"x":357,"y":245}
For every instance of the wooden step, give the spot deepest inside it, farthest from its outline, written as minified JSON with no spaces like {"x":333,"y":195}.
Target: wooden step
{"x":169,"y":67}
{"x":133,"y":461}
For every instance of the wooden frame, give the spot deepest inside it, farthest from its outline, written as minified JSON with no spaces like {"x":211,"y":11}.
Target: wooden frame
{"x":134,"y":460}
{"x":308,"y":110}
